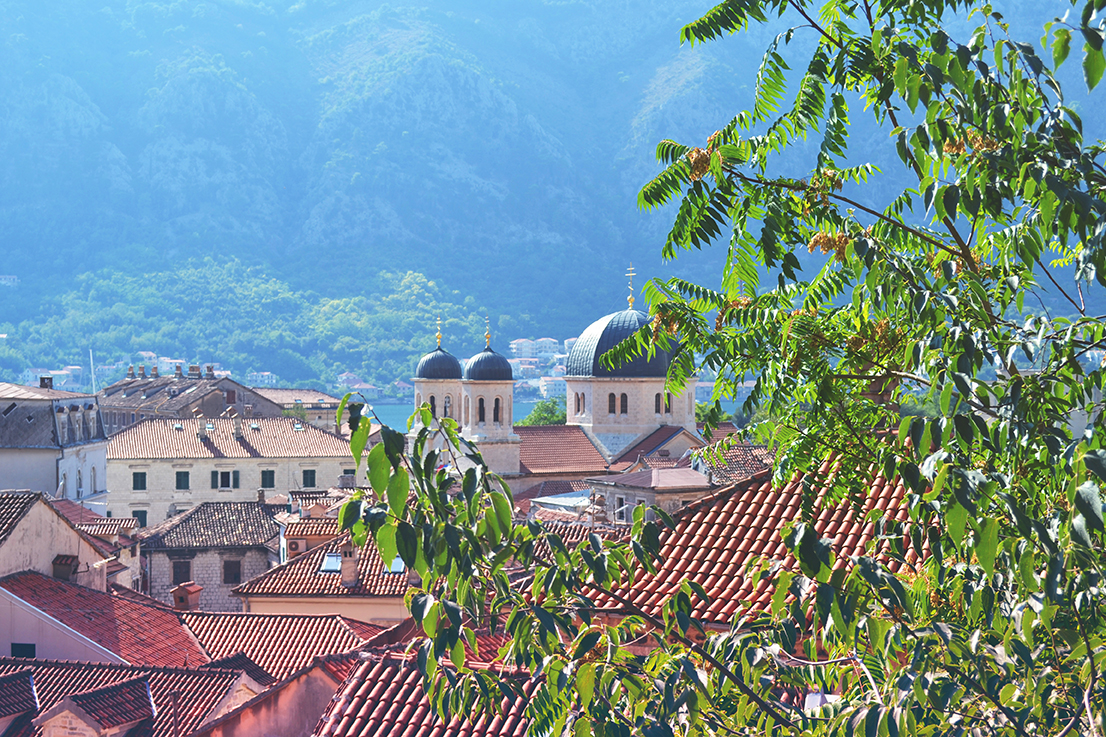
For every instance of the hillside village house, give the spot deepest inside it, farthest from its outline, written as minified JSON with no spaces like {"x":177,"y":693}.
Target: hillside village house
{"x":52,"y":441}
{"x":306,"y":404}
{"x":159,"y":468}
{"x":180,"y":396}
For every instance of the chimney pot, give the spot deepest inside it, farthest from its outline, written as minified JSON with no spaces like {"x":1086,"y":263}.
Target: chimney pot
{"x":130,"y":372}
{"x":193,"y":372}
{"x":349,"y":565}
{"x":153,"y":373}
{"x":186,"y":596}
{"x":209,"y":372}
{"x":347,"y":481}
{"x":178,"y":372}
{"x":142,"y":371}
{"x":46,"y":382}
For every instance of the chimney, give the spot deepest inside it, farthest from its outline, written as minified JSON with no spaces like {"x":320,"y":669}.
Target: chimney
{"x":46,"y":382}
{"x":193,"y":372}
{"x":130,"y":372}
{"x":201,"y":431}
{"x":347,"y":481}
{"x":260,"y":496}
{"x":177,"y":372}
{"x":349,"y":565}
{"x":186,"y":596}
{"x":142,"y":371}
{"x":238,"y":427}
{"x":153,"y":373}
{"x":209,"y":372}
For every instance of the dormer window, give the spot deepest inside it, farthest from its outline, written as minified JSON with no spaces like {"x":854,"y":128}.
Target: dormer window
{"x":332,"y":563}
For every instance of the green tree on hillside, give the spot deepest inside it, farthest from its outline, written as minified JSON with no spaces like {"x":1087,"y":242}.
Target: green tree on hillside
{"x":547,"y":412}
{"x":926,"y":290}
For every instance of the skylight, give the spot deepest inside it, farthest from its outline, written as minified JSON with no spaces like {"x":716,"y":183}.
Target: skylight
{"x":332,"y":563}
{"x":397,"y":566}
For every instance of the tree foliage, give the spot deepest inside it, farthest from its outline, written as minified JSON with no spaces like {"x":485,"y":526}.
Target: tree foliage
{"x":549,"y":411}
{"x":947,"y":289}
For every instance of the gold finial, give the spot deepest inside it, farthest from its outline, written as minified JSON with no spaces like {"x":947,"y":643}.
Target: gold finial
{"x":630,"y":299}
{"x":487,"y":332}
{"x":439,"y":331}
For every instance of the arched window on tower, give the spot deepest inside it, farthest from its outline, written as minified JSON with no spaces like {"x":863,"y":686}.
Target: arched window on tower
{"x":433,"y":407}
{"x":465,"y":420}
{"x":611,"y":404}
{"x":625,"y":405}
{"x":576,"y":406}
{"x":657,"y":403}
{"x":583,"y":403}
{"x":480,"y":410}
{"x":447,"y":406}
{"x":495,"y":411}
{"x":668,"y":403}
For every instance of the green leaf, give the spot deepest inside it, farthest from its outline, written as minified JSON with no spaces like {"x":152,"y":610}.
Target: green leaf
{"x":1093,"y":66}
{"x":386,"y":543}
{"x":399,"y":487}
{"x":1088,"y":500}
{"x":987,"y":546}
{"x":349,"y":514}
{"x":378,"y":470}
{"x":950,"y":198}
{"x":1061,"y":46}
{"x":1095,"y":461}
{"x":957,"y":517}
{"x":407,"y":545}
{"x":503,"y":512}
{"x":585,"y":683}
{"x":586,"y":642}
{"x":457,"y":653}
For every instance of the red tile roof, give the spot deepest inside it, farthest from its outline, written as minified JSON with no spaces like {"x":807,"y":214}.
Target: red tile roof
{"x":651,"y":443}
{"x":199,"y":691}
{"x":279,"y":643}
{"x":717,"y":536}
{"x":17,"y":693}
{"x":384,"y":697}
{"x":301,"y":576}
{"x":79,"y":514}
{"x":658,"y":479}
{"x":120,"y":703}
{"x":241,"y":661}
{"x":313,"y":527}
{"x":136,"y":632}
{"x":736,"y":463}
{"x":275,"y":437}
{"x":546,"y":488}
{"x":558,"y":449}
{"x":309,"y":398}
{"x":110,"y":527}
{"x":14,"y":505}
{"x":213,"y":525}
{"x":487,"y":644}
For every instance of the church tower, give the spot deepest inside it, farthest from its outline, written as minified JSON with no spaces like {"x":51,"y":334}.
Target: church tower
{"x":438,"y":382}
{"x":486,"y":409}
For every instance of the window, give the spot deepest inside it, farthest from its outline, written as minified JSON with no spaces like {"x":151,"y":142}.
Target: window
{"x":668,"y":403}
{"x":232,"y":571}
{"x":447,"y":406}
{"x":576,"y":406}
{"x":657,"y":403}
{"x":23,"y":650}
{"x":495,"y":411}
{"x":624,"y":405}
{"x":132,"y":418}
{"x":583,"y":403}
{"x":80,"y":484}
{"x":140,"y":515}
{"x":182,"y":480}
{"x":332,"y":563}
{"x":268,"y":479}
{"x":610,"y":404}
{"x":182,"y":571}
{"x":309,"y":478}
{"x":433,"y":407}
{"x":480,"y":410}
{"x":349,"y":471}
{"x":620,"y":508}
{"x":225,"y":479}
{"x":232,"y":396}
{"x":138,"y":481}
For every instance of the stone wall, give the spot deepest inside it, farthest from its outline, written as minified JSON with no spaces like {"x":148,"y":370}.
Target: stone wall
{"x":207,"y":571}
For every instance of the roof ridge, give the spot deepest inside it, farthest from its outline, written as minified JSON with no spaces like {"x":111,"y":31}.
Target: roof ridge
{"x":54,"y":663}
{"x":10,"y":527}
{"x":282,"y":566}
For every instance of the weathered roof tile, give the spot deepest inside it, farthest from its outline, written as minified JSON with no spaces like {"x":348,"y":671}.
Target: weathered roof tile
{"x":261,"y":437}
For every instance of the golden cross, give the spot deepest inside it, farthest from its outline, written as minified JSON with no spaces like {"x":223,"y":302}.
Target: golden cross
{"x":487,"y":332}
{"x":630,"y":299}
{"x":439,"y":331}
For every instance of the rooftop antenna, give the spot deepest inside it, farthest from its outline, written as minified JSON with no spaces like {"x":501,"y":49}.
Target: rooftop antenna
{"x":439,"y":331}
{"x":487,"y":332}
{"x":630,"y":273}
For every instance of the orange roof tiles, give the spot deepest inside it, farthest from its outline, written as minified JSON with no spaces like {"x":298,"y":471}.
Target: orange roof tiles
{"x":660,"y":479}
{"x":717,"y":536}
{"x":279,"y":643}
{"x":13,"y":507}
{"x":275,"y":437}
{"x":136,"y":632}
{"x":120,"y":703}
{"x":558,"y":449}
{"x":17,"y":692}
{"x":213,"y":525}
{"x":313,"y":527}
{"x":647,"y":445}
{"x":546,"y":488}
{"x":199,"y":691}
{"x":301,"y":576}
{"x":384,"y":697}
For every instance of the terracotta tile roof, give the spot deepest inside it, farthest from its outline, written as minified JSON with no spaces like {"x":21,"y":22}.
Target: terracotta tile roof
{"x":17,"y":693}
{"x":241,"y":661}
{"x":275,"y":437}
{"x":287,"y":397}
{"x":14,"y":505}
{"x":383,"y":697}
{"x":199,"y":691}
{"x":556,"y":515}
{"x":279,"y":643}
{"x":717,"y":536}
{"x":301,"y":576}
{"x":118,"y":704}
{"x":558,"y":449}
{"x":20,"y":392}
{"x":313,"y":527}
{"x":79,"y":514}
{"x":136,"y":632}
{"x":339,"y":665}
{"x":125,"y":592}
{"x":110,"y":527}
{"x":659,"y":479}
{"x":724,"y":429}
{"x":738,"y":462}
{"x":487,"y":644}
{"x":213,"y":525}
{"x":648,"y":445}
{"x":364,"y":630}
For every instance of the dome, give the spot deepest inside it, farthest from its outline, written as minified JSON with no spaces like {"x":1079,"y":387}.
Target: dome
{"x":487,"y":365}
{"x":438,"y":364}
{"x":606,"y":333}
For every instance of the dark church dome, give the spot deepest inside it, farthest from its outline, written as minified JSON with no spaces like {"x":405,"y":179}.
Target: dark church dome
{"x":438,"y":364}
{"x":606,"y":333}
{"x":487,"y":365}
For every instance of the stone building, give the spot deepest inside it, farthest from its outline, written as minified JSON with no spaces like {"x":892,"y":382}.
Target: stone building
{"x":309,"y":405}
{"x":52,"y":441}
{"x":159,"y":468}
{"x":180,"y":396}
{"x":216,"y":545}
{"x":35,"y":536}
